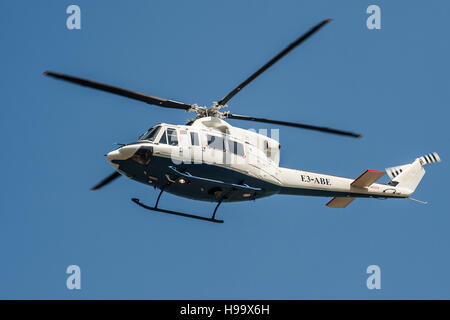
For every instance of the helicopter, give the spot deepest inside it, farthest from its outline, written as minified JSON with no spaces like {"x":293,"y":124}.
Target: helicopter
{"x":208,"y":159}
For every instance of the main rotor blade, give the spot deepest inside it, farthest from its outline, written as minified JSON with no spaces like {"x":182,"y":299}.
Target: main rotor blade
{"x":296,"y":125}
{"x":121,"y":92}
{"x":288,"y":49}
{"x":107,"y":180}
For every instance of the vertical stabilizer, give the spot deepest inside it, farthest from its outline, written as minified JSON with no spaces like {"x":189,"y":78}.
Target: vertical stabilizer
{"x":409,"y":175}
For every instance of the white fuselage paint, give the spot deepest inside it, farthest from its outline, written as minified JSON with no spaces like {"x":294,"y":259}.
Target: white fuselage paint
{"x":258,"y":162}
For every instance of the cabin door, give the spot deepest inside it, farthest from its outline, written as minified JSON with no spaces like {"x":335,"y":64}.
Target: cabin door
{"x":214,"y":148}
{"x":194,"y":147}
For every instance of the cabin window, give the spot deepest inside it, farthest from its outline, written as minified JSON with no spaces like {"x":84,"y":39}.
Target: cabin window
{"x":236,"y":147}
{"x":216,"y":142}
{"x":194,"y":139}
{"x":172,"y":137}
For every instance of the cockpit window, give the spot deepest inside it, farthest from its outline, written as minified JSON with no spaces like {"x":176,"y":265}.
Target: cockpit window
{"x":151,"y":134}
{"x":169,"y":137}
{"x":163,"y":139}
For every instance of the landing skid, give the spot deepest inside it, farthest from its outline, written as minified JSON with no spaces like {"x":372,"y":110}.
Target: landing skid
{"x":155,"y":208}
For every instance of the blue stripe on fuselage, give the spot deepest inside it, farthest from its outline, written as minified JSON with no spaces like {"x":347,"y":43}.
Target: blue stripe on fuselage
{"x":158,"y":168}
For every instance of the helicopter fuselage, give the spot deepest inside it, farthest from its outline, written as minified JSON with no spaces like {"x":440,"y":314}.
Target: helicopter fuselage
{"x":211,"y":160}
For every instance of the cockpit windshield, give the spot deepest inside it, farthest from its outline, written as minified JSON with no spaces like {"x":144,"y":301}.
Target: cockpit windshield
{"x":151,"y":134}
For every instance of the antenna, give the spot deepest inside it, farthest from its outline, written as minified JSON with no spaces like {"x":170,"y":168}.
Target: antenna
{"x":419,"y":201}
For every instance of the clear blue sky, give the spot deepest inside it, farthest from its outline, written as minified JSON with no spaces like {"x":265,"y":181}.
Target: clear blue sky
{"x":392,"y":85}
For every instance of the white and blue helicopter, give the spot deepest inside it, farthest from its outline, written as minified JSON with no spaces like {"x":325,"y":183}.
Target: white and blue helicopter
{"x":210,"y":160}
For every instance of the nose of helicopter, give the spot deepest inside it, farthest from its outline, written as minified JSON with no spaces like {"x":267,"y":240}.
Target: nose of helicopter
{"x":123,"y":153}
{"x":136,"y":152}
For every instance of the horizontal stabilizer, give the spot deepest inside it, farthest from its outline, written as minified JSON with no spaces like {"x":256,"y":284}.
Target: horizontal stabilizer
{"x":340,"y":202}
{"x":367,"y":178}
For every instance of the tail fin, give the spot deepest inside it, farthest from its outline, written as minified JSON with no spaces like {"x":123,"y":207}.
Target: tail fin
{"x":409,"y":175}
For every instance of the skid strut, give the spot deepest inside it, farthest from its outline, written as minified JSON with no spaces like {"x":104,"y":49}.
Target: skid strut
{"x":182,"y":214}
{"x":157,"y":200}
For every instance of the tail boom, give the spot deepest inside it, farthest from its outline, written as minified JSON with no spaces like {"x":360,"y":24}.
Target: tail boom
{"x":405,"y":180}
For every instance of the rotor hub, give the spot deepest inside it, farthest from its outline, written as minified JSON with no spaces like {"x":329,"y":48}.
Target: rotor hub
{"x":212,"y":111}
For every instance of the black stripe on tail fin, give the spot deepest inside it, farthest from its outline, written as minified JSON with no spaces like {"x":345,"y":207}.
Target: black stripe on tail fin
{"x":429,"y":158}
